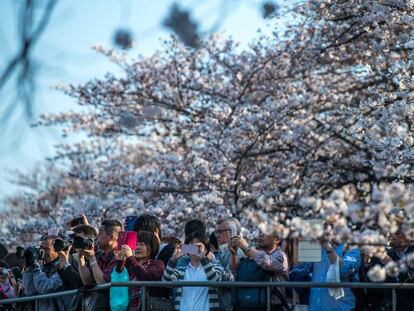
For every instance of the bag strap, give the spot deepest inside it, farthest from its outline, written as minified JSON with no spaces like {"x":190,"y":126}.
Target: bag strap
{"x":295,"y":297}
{"x":277,"y":292}
{"x":281,"y":298}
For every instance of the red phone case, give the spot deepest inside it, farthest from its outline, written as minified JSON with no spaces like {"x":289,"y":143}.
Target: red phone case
{"x":127,"y":238}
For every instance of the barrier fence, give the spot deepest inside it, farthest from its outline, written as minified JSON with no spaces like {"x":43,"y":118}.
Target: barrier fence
{"x":268,"y":285}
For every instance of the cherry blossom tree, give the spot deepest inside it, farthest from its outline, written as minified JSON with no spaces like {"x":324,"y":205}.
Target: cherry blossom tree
{"x":314,"y":122}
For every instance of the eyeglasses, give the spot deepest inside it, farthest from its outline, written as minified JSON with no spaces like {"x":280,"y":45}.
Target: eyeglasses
{"x":218,"y":232}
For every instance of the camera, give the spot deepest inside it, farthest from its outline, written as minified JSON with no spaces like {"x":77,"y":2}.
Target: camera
{"x":32,"y":252}
{"x":60,"y":245}
{"x":83,"y":243}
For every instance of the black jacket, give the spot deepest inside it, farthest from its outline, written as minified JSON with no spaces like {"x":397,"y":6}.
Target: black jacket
{"x":405,"y":297}
{"x":166,"y":253}
{"x":70,"y":275}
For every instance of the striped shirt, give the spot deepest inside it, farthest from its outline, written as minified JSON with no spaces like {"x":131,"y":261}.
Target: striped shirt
{"x":214,"y":272}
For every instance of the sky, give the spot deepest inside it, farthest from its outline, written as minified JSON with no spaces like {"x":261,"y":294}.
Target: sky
{"x":64,"y":55}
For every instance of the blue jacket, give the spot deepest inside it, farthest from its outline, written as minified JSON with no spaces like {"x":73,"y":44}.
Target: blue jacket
{"x":320,"y":300}
{"x":39,"y":281}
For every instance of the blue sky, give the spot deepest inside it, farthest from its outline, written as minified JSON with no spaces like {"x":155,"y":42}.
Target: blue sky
{"x":64,"y":54}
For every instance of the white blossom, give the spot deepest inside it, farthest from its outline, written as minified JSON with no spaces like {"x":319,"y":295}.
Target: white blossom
{"x":377,"y":274}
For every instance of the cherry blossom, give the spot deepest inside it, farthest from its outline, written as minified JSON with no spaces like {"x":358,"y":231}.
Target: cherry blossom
{"x":313,"y":122}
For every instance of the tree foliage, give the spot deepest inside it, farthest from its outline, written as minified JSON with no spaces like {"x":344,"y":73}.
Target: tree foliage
{"x":315,"y":122}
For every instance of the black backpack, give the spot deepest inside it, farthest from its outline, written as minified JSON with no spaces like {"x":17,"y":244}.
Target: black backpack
{"x":248,"y":298}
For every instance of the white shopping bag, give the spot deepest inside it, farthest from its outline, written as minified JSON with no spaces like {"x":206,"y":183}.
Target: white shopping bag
{"x":333,"y":276}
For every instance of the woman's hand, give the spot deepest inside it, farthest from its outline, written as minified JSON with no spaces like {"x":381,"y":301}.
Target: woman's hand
{"x":201,"y":250}
{"x":177,"y":252}
{"x":210,"y":256}
{"x":126,"y":252}
{"x":118,"y":255}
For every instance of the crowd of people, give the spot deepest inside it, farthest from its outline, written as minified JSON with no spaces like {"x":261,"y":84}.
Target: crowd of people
{"x":85,"y":256}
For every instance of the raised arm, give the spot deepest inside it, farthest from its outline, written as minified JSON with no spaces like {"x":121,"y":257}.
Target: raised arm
{"x":275,"y":262}
{"x":44,"y":284}
{"x":350,"y":263}
{"x":84,"y":271}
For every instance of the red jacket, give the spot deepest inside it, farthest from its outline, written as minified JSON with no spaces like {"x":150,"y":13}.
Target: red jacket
{"x":151,"y":270}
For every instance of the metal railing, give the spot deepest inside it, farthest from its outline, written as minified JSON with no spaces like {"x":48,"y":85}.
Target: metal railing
{"x":268,"y":285}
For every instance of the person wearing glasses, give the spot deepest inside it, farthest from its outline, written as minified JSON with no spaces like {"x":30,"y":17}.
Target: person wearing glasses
{"x":226,"y":230}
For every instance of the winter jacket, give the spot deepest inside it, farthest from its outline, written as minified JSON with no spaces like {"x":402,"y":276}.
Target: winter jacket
{"x":39,"y":281}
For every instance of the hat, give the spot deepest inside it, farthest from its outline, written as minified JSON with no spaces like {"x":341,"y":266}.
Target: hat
{"x":85,"y":229}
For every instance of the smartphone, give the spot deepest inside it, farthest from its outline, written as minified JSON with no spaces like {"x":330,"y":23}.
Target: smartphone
{"x":233,"y":231}
{"x":189,"y":249}
{"x":129,"y":223}
{"x":127,"y":238}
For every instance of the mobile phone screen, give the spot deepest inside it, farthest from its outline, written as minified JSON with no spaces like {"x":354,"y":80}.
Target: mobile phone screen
{"x":188,"y":249}
{"x":127,"y":238}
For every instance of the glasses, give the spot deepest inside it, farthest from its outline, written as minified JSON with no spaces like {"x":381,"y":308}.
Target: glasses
{"x":47,"y":249}
{"x":218,"y":232}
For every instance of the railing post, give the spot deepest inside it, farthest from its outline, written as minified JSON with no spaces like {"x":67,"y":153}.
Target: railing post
{"x":36,"y":305}
{"x":394,"y":300}
{"x":268,"y":298}
{"x":143,"y":298}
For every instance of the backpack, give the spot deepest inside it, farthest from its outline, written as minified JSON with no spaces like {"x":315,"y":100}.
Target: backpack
{"x":247,"y":298}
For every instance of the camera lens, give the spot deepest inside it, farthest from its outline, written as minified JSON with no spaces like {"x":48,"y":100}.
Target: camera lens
{"x":82,"y":243}
{"x":78,"y":242}
{"x":59,"y":245}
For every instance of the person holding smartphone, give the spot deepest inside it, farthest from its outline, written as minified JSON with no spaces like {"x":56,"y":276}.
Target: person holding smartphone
{"x":199,"y":268}
{"x":141,"y":265}
{"x":226,"y":232}
{"x":147,"y":222}
{"x":271,"y":260}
